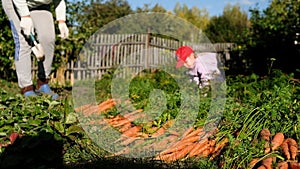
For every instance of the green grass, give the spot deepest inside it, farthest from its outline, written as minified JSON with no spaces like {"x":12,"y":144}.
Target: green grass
{"x":252,"y":103}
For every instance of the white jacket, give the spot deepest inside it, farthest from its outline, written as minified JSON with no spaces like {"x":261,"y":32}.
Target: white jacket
{"x":206,"y":66}
{"x":24,"y":5}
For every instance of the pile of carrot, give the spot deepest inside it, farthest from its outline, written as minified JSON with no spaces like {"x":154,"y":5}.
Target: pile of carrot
{"x":193,"y":143}
{"x":90,"y":109}
{"x":287,"y":146}
{"x":190,"y":145}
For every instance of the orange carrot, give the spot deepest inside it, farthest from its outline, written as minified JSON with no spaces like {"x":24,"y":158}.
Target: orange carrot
{"x":132,"y":131}
{"x":199,"y":151}
{"x":174,"y":149}
{"x":82,"y":108}
{"x":180,"y":154}
{"x":277,"y":141}
{"x":159,"y":132}
{"x":126,"y":150}
{"x":207,"y":152}
{"x":92,"y":109}
{"x":262,"y":167}
{"x":294,"y":165}
{"x":125,"y":127}
{"x":293,"y":147}
{"x":190,"y":139}
{"x":218,"y":148}
{"x":107,"y":102}
{"x":253,"y":162}
{"x":283,"y":165}
{"x":106,"y":107}
{"x":163,"y":157}
{"x":197,"y":146}
{"x":188,"y":131}
{"x":173,"y":133}
{"x":132,"y":113}
{"x":267,"y":162}
{"x":128,"y":141}
{"x":221,"y":144}
{"x":172,"y":138}
{"x":137,"y":116}
{"x":285,"y":149}
{"x":265,"y":134}
{"x":197,"y":132}
{"x":121,"y":122}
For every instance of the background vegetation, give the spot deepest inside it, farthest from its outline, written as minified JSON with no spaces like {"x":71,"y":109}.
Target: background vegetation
{"x":262,"y":78}
{"x":263,"y":35}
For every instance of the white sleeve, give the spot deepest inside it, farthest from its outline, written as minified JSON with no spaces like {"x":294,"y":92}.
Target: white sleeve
{"x":22,"y":7}
{"x":60,"y":11}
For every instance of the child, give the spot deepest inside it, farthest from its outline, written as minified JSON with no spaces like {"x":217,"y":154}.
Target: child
{"x":202,"y":67}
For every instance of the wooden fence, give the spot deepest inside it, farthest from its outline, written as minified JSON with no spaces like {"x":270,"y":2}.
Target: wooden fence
{"x":134,"y":51}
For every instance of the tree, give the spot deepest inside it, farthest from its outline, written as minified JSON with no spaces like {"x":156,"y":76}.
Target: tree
{"x":230,"y":26}
{"x":272,"y":36}
{"x":156,"y":8}
{"x":196,"y":16}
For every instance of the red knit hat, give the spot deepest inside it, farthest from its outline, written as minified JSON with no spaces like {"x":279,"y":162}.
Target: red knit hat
{"x":182,"y":53}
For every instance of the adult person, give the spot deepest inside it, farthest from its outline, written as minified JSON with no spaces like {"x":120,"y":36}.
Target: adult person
{"x":203,"y":67}
{"x":33,"y":17}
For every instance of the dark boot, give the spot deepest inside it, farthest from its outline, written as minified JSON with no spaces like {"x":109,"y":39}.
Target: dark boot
{"x":28,"y":91}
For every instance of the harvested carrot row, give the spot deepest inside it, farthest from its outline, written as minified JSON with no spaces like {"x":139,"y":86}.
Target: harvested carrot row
{"x":107,"y":102}
{"x":218,"y":148}
{"x":132,"y":131}
{"x":221,"y":144}
{"x":253,"y":162}
{"x":133,"y":113}
{"x":159,"y":132}
{"x":106,"y":106}
{"x":262,"y":167}
{"x":126,"y":150}
{"x":162,"y":130}
{"x":173,"y":133}
{"x":125,"y":127}
{"x":294,"y":165}
{"x":82,"y":108}
{"x":197,"y":146}
{"x":128,"y":141}
{"x":92,"y":109}
{"x":188,"y":131}
{"x":293,"y":147}
{"x":180,"y":154}
{"x":196,"y":132}
{"x":277,"y":141}
{"x":190,"y":139}
{"x":119,"y":123}
{"x":283,"y":165}
{"x":198,"y":152}
{"x":265,"y":134}
{"x":285,"y":149}
{"x":174,"y":149}
{"x":267,"y":162}
{"x":207,"y":152}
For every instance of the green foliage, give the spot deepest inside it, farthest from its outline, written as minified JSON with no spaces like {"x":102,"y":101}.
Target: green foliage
{"x":6,"y":48}
{"x":272,"y":35}
{"x":196,"y":16}
{"x":229,"y":27}
{"x":49,"y":132}
{"x":254,"y":103}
